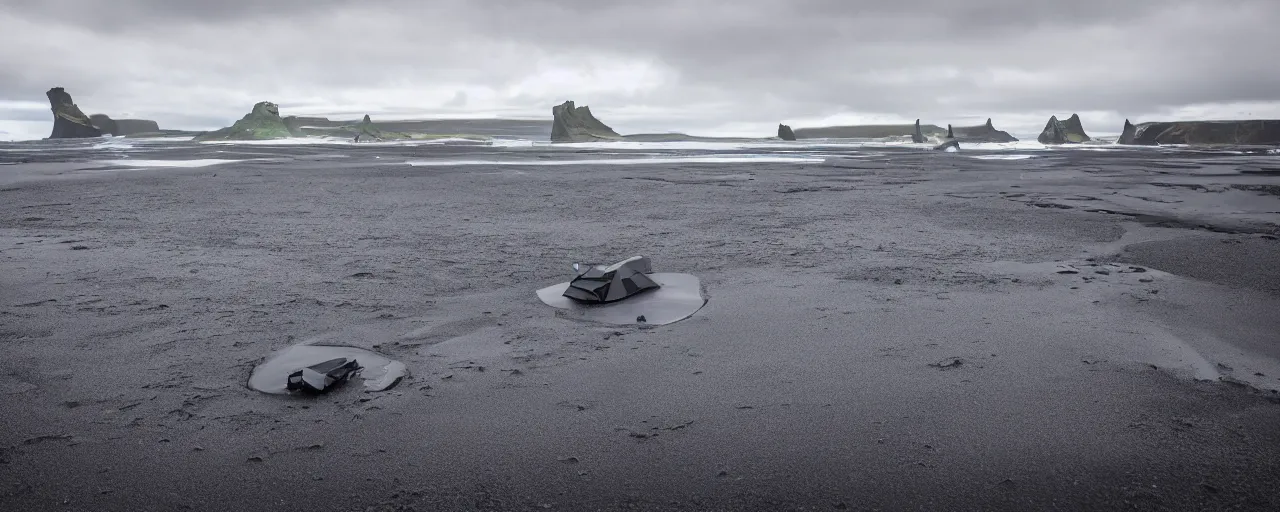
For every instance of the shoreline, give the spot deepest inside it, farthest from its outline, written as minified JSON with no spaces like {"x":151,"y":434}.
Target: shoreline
{"x":820,"y":373}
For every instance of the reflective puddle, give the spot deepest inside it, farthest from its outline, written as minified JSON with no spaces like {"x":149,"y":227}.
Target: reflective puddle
{"x":679,"y":297}
{"x":378,"y":372}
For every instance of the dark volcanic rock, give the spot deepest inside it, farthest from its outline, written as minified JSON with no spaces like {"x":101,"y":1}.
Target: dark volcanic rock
{"x":103,"y":123}
{"x":869,"y":131}
{"x":576,"y":124}
{"x":917,"y":136}
{"x":1257,"y":132}
{"x":1063,"y":132}
{"x":294,"y":125}
{"x":950,"y":143}
{"x":785,"y":133}
{"x":981,"y":133}
{"x":1129,"y":134}
{"x":264,"y":122}
{"x":367,"y":131}
{"x":68,"y":121}
{"x":123,"y":126}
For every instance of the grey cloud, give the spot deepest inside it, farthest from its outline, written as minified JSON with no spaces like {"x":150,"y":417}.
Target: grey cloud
{"x":748,"y":60}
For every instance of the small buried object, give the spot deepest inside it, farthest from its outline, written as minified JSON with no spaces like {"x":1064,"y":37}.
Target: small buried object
{"x":600,"y":284}
{"x":667,"y":298}
{"x":278,"y":373}
{"x":947,"y":364}
{"x":322,"y":377}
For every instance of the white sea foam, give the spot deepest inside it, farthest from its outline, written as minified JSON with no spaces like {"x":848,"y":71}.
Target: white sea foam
{"x":511,"y":143}
{"x":342,"y":141}
{"x":1022,"y":145}
{"x":129,"y":162}
{"x":1002,"y":157}
{"x":672,"y":145}
{"x":113,"y":143}
{"x":767,"y":145}
{"x":725,"y":159}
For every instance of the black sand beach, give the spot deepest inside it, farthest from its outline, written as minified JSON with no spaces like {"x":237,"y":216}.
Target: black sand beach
{"x":887,"y":329}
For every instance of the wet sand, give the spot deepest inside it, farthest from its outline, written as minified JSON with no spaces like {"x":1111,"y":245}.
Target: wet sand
{"x":884,"y":331}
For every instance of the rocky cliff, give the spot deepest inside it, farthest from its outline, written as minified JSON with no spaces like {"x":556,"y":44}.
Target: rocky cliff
{"x":785,"y":133}
{"x":68,"y":121}
{"x":1063,"y":132}
{"x":576,"y":124}
{"x":367,"y":131}
{"x":917,"y":135}
{"x":121,"y":127}
{"x":981,"y":133}
{"x":1257,"y":132}
{"x":264,"y":122}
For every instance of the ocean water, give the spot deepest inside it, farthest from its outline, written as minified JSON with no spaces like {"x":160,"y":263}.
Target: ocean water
{"x":118,"y":153}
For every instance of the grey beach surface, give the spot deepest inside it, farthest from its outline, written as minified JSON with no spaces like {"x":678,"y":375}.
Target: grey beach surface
{"x":887,"y":327}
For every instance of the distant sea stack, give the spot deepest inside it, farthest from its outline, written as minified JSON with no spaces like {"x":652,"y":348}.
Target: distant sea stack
{"x":785,"y":133}
{"x":1259,"y":132}
{"x":576,"y":124}
{"x":68,"y":121}
{"x":122,"y":127}
{"x":981,"y":133}
{"x":264,"y":122}
{"x":917,"y":136}
{"x":367,"y":131}
{"x":1063,"y":132}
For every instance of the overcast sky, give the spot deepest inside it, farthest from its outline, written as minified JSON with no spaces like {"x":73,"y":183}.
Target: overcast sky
{"x":734,"y":67}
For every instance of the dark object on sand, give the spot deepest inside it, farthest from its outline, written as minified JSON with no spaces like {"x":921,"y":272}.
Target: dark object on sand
{"x":1258,"y":132}
{"x":785,"y":133}
{"x":576,"y":124}
{"x":600,"y":284}
{"x":948,"y":363}
{"x":68,"y":121}
{"x":1063,"y":132}
{"x":981,"y":133}
{"x":322,"y":377}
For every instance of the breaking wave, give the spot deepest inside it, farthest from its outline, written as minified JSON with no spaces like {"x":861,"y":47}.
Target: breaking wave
{"x":1002,"y":157}
{"x":113,"y":143}
{"x":713,"y":159}
{"x":203,"y":162}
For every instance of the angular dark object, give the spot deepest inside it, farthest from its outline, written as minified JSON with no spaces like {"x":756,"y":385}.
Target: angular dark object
{"x":600,"y":284}
{"x":1063,"y":132}
{"x":68,"y":121}
{"x":322,"y":377}
{"x":1256,"y":132}
{"x":981,"y":133}
{"x":576,"y":124}
{"x":785,"y":133}
{"x":917,"y":136}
